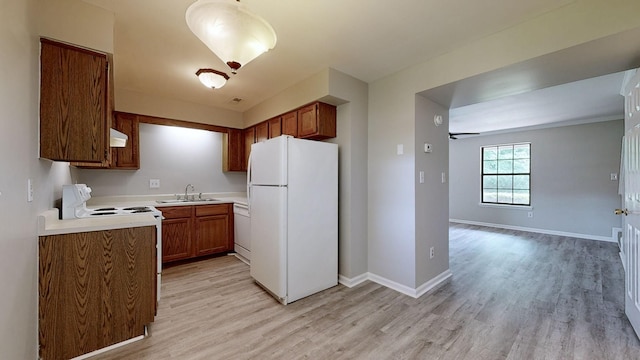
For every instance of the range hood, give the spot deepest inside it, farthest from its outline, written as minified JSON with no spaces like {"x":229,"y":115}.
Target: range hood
{"x":117,"y":139}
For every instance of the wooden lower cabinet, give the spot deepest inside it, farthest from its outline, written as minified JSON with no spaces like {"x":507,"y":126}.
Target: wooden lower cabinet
{"x":212,"y":229}
{"x":176,"y":232}
{"x":96,"y":289}
{"x":196,"y":230}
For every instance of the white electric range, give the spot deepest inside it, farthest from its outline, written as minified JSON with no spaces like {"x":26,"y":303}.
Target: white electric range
{"x":74,"y":206}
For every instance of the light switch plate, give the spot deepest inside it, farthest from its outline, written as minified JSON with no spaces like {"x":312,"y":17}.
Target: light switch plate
{"x":428,"y":148}
{"x":400,"y":149}
{"x":421,"y":177}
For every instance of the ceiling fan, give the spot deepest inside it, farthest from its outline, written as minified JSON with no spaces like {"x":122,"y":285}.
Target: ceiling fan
{"x":454,"y":136}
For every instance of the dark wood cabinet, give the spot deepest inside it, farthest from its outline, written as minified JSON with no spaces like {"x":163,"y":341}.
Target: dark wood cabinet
{"x":262,"y":131}
{"x":176,"y":232}
{"x":191,"y":231}
{"x":233,"y":148}
{"x":127,"y":157}
{"x":213,"y":234}
{"x":95,"y":289}
{"x":317,"y":121}
{"x":275,"y":127}
{"x":290,"y":124}
{"x":122,"y":158}
{"x":75,"y":103}
{"x":249,"y":139}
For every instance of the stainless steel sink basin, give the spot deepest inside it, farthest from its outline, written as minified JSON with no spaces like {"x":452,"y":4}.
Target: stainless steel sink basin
{"x":169,"y":201}
{"x":174,"y":201}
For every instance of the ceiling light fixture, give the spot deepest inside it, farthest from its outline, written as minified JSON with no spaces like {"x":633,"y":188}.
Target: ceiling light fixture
{"x":230,"y":30}
{"x":213,"y":79}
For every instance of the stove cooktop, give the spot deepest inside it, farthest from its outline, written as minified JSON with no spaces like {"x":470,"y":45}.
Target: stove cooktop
{"x":114,"y":211}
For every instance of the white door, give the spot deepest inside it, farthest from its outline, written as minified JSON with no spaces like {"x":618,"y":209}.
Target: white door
{"x":631,"y":176}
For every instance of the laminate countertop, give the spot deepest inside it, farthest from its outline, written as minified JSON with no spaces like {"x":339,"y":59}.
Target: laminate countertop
{"x":160,"y":201}
{"x":49,"y":223}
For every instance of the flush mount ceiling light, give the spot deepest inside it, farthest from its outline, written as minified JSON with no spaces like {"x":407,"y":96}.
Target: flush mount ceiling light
{"x":230,"y":30}
{"x":213,"y":79}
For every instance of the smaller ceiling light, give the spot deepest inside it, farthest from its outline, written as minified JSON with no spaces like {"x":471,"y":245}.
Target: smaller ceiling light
{"x":213,"y":79}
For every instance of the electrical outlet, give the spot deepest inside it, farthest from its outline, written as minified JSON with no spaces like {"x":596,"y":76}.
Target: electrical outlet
{"x":432,"y":253}
{"x":154,"y":183}
{"x":530,"y":214}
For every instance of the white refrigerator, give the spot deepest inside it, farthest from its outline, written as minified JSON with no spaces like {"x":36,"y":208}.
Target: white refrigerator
{"x":293,"y":205}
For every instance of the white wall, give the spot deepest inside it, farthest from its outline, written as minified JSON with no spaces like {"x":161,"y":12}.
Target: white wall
{"x":177,"y":156}
{"x":391,"y":224}
{"x":432,"y":196}
{"x":571,"y":190}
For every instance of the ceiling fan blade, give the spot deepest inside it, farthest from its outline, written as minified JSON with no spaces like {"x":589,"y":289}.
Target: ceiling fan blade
{"x":454,"y":136}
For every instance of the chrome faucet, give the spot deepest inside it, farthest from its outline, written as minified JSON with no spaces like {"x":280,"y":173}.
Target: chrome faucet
{"x":186,"y":191}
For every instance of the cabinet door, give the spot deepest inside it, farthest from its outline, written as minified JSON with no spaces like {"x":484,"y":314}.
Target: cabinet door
{"x":262,"y":131}
{"x":317,"y":121}
{"x":213,"y":224}
{"x":110,"y":300}
{"x":176,"y":233}
{"x":290,"y":124}
{"x":127,"y":157}
{"x":233,"y":151}
{"x":212,"y":234}
{"x":275,"y":128}
{"x":249,"y":139}
{"x":74,"y":98}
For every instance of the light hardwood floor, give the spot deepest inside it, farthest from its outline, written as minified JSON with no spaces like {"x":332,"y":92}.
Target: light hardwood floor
{"x":513,"y":295}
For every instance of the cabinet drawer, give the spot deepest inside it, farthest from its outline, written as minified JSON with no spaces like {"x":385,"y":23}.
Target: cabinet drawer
{"x":206,"y":210}
{"x":176,"y":212}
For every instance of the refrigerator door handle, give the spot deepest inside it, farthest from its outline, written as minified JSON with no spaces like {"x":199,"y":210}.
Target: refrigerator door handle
{"x":249,"y":183}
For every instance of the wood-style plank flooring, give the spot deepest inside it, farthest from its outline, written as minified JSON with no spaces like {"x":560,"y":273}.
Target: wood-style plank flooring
{"x":513,"y":295}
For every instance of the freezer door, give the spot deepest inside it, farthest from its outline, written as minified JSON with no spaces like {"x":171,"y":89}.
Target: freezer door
{"x":269,"y":162}
{"x":268,"y":238}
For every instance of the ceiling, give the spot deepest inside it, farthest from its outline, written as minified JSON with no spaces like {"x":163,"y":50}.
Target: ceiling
{"x":155,"y":53}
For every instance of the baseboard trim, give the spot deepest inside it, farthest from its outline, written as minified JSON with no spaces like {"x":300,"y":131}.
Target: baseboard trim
{"x":414,"y":293}
{"x":536,"y":230}
{"x":351,"y":282}
{"x":433,"y":283}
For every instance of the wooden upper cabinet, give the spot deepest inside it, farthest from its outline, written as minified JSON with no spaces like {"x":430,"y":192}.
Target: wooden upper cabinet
{"x":75,"y":103}
{"x":275,"y":127}
{"x":127,"y":157}
{"x":249,"y":139}
{"x":233,"y":150}
{"x":317,"y":121}
{"x":290,"y":124}
{"x":262,"y":131}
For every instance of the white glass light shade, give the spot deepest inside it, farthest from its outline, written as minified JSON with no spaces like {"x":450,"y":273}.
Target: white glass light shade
{"x":232,"y":32}
{"x":212,"y":78}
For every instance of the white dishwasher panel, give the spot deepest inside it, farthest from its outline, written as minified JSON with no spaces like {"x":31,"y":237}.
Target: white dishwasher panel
{"x":242,"y":228}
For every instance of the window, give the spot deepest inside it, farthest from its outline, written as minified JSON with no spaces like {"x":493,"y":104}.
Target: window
{"x":506,"y":174}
